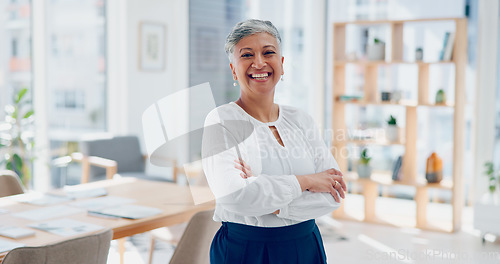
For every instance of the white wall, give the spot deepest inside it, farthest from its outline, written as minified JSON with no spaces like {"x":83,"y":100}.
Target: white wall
{"x":133,"y":90}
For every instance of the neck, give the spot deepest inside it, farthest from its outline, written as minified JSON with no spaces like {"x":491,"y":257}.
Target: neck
{"x":262,"y":109}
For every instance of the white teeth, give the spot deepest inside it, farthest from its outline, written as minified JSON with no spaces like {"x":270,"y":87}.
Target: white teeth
{"x":261,"y":75}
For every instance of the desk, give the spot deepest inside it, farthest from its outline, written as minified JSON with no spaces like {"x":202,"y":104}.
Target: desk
{"x":175,"y":201}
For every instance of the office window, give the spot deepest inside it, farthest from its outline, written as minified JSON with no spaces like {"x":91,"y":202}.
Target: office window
{"x":76,"y":72}
{"x":15,"y":49}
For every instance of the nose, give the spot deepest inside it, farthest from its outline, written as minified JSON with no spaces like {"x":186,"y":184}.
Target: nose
{"x":259,"y":62}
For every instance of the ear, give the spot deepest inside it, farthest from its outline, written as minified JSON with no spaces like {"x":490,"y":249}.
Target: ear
{"x":234,"y":71}
{"x":282,"y":60}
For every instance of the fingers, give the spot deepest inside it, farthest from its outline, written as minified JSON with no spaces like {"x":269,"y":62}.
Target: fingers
{"x":338,"y":176}
{"x":337,"y":186}
{"x":245,"y":168}
{"x":335,"y":195}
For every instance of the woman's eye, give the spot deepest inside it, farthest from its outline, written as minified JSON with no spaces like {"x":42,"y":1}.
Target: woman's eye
{"x":246,"y":55}
{"x":269,"y":52}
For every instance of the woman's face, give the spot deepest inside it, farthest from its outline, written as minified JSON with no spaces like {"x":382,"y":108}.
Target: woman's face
{"x":257,"y":63}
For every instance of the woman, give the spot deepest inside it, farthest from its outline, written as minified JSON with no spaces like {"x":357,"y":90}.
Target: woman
{"x":266,"y":163}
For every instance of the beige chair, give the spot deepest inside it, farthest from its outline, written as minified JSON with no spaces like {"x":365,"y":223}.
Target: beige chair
{"x":194,"y":245}
{"x":92,"y":249}
{"x":10,"y":184}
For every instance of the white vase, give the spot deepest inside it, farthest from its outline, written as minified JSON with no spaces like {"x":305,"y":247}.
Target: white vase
{"x":392,"y":133}
{"x":375,"y":51}
{"x":364,"y":171}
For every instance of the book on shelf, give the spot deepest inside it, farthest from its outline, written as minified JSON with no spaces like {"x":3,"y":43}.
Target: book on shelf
{"x":397,"y":169}
{"x":448,"y":43}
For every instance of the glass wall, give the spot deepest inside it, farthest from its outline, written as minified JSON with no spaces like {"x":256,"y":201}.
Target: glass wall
{"x":15,"y":50}
{"x":76,"y":65}
{"x":76,"y":77}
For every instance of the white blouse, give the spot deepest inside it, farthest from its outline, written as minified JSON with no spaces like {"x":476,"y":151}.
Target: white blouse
{"x":230,"y":133}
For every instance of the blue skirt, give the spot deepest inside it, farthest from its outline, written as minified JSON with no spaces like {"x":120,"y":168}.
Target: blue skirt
{"x":295,"y":244}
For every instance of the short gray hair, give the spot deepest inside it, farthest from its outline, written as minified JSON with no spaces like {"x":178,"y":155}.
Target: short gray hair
{"x":247,"y":28}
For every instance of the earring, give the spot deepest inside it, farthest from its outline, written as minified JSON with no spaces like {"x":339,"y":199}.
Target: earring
{"x":282,"y":77}
{"x":235,"y":84}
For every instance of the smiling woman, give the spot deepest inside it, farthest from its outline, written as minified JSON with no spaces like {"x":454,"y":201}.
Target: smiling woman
{"x":272,"y":175}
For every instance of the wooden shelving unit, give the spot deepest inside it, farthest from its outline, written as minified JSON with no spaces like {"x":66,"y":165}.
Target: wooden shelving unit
{"x":410,"y":178}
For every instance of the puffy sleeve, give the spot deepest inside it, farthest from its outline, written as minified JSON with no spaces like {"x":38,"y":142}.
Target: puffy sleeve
{"x":224,"y":141}
{"x":312,"y":205}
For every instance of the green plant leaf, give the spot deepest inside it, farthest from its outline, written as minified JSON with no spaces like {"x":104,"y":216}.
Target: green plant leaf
{"x":18,"y":161}
{"x":29,"y":113}
{"x":9,"y":165}
{"x":20,"y":95}
{"x":489,"y":168}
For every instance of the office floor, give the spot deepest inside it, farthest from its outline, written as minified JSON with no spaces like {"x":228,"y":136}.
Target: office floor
{"x":354,"y":242}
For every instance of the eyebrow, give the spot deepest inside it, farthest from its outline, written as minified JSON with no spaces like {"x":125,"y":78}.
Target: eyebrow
{"x":266,"y":46}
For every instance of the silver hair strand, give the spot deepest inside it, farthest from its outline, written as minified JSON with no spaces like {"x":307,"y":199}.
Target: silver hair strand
{"x":247,"y":28}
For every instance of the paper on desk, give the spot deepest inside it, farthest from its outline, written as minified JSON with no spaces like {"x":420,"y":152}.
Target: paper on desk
{"x":66,"y":227}
{"x":7,"y":245}
{"x":129,"y":211}
{"x":42,"y":199}
{"x":102,"y":202}
{"x":49,"y":212}
{"x":80,"y":193}
{"x":15,"y":232}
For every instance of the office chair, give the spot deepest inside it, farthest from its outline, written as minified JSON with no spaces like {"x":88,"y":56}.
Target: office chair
{"x":194,"y":245}
{"x":92,"y":249}
{"x":103,"y":158}
{"x":10,"y":184}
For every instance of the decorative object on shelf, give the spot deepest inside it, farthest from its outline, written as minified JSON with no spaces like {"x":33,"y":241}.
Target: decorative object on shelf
{"x":364,"y":169}
{"x":440,"y":97}
{"x":385,"y":96}
{"x":392,"y":131}
{"x":17,"y":137}
{"x":352,"y":56}
{"x":419,"y":54}
{"x":152,"y":46}
{"x":376,"y":50}
{"x":434,"y":170}
{"x":396,"y":96}
{"x":397,"y":169}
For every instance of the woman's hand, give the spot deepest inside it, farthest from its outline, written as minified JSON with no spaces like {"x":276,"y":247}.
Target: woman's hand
{"x":245,"y":169}
{"x":330,"y":181}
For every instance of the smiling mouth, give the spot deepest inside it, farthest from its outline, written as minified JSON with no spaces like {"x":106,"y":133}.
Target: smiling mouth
{"x":260,"y":76}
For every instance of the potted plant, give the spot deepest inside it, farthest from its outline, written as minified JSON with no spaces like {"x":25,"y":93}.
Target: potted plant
{"x":440,"y":97}
{"x":17,"y":137}
{"x":493,"y":179}
{"x":364,"y":169}
{"x":392,"y":131}
{"x":376,"y":50}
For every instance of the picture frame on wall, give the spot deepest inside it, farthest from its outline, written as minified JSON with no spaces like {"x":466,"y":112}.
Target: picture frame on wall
{"x":152,"y":46}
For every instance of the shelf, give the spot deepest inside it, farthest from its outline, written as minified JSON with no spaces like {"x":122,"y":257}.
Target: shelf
{"x":385,"y":179}
{"x":374,"y":141}
{"x":375,"y":22}
{"x":370,"y":94}
{"x":405,"y":103}
{"x":374,"y":63}
{"x":388,"y":213}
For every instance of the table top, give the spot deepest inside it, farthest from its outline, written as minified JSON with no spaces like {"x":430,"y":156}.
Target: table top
{"x":176,"y":202}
